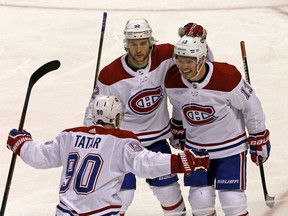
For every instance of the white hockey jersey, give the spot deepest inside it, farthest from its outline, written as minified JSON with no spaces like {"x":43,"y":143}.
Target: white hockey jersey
{"x":94,"y":161}
{"x":216,"y":109}
{"x":142,"y":94}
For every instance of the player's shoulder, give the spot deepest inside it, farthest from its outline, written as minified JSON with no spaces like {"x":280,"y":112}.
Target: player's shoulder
{"x":125,"y":134}
{"x":118,"y":133}
{"x":94,"y":129}
{"x":76,"y":129}
{"x":113,"y":72}
{"x":164,"y":47}
{"x":225,"y":77}
{"x":227,"y":71}
{"x":163,"y":51}
{"x":173,"y":78}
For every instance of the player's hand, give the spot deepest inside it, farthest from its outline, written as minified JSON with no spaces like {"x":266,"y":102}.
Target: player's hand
{"x":16,"y":139}
{"x":189,"y":160}
{"x":194,"y":159}
{"x":177,"y":140}
{"x":259,"y":146}
{"x":194,"y":30}
{"x":199,"y":159}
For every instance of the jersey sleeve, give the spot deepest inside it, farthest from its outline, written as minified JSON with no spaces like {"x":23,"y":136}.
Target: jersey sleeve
{"x":42,"y":155}
{"x":100,"y":89}
{"x":145,"y":163}
{"x":243,"y":98}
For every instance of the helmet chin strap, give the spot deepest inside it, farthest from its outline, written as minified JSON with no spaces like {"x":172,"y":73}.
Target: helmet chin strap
{"x":198,"y":69}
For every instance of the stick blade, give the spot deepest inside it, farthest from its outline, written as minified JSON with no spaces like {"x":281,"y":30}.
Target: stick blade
{"x":44,"y":69}
{"x":270,"y":201}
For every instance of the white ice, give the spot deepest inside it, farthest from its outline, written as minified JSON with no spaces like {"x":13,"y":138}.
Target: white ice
{"x":35,"y":32}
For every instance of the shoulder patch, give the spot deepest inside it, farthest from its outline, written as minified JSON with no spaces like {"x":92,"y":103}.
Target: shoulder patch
{"x":136,"y":147}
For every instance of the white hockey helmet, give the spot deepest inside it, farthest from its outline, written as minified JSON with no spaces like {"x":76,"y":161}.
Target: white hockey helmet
{"x":191,"y":47}
{"x":105,"y":109}
{"x":137,"y":29}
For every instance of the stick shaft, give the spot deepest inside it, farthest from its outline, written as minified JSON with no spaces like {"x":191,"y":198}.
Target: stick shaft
{"x":247,"y":77}
{"x":100,"y":47}
{"x":245,"y":63}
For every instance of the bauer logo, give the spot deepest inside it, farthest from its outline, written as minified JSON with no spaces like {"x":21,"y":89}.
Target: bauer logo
{"x":198,"y":115}
{"x":146,"y":100}
{"x":230,"y":181}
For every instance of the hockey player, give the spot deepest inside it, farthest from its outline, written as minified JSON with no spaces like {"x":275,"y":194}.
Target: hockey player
{"x":177,"y":140}
{"x":215,"y":105}
{"x":137,"y":79}
{"x":95,"y":159}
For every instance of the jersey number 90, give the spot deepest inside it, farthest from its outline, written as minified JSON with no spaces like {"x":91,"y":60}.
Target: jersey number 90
{"x":82,"y":177}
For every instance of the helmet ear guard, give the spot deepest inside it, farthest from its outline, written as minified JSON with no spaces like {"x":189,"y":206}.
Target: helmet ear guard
{"x":105,"y":110}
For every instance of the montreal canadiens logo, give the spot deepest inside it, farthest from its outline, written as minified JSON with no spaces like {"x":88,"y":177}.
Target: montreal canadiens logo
{"x":198,"y":115}
{"x":146,"y":101}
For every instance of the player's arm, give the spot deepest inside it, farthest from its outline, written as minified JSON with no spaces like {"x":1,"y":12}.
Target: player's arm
{"x":243,"y":98}
{"x":259,"y":136}
{"x":36,"y":154}
{"x":148,"y":164}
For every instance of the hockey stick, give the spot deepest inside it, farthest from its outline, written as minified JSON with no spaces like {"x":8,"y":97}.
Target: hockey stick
{"x":268,"y":199}
{"x":100,"y":48}
{"x":44,"y":69}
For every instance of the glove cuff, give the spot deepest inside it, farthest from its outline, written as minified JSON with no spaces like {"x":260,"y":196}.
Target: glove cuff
{"x":18,"y":145}
{"x":176,"y":164}
{"x":180,"y":163}
{"x":259,"y":139}
{"x":176,"y":123}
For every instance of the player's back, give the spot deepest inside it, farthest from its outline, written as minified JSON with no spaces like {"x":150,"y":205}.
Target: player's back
{"x":93,"y":169}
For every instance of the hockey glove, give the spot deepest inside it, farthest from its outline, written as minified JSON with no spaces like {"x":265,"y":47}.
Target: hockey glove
{"x":177,"y":140}
{"x":190,"y":160}
{"x":16,"y":139}
{"x":259,"y":146}
{"x":194,"y":30}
